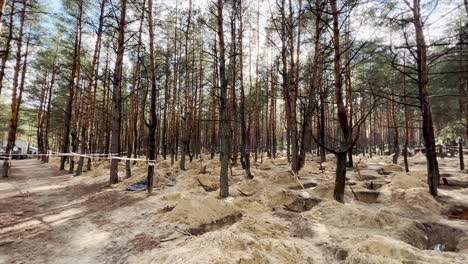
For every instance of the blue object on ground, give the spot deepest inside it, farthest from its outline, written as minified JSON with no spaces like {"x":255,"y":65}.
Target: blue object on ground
{"x":438,"y":247}
{"x":138,"y":187}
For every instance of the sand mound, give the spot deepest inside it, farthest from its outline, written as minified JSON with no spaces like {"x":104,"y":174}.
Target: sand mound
{"x":266,"y":165}
{"x":281,"y":161}
{"x":410,"y":193}
{"x":211,"y":183}
{"x":310,"y":169}
{"x":196,"y":211}
{"x":230,"y":247}
{"x":163,"y":164}
{"x":349,"y":215}
{"x":408,"y":181}
{"x":249,"y":187}
{"x":393,"y":168}
{"x":419,"y":158}
{"x":384,"y":250}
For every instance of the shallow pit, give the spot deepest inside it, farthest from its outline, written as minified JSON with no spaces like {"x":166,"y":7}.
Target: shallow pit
{"x":305,"y":185}
{"x":218,"y":224}
{"x":383,"y":172}
{"x":301,"y":204}
{"x":446,"y":175}
{"x":368,"y":196}
{"x":433,"y":236}
{"x":449,"y":184}
{"x":459,"y":212}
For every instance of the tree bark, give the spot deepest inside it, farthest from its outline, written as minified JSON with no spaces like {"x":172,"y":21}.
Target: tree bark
{"x":71,"y":87}
{"x":423,"y":79}
{"x":8,"y":43}
{"x":245,"y":137}
{"x":153,"y":97}
{"x":117,"y":96}
{"x":224,"y":124}
{"x":17,"y":89}
{"x":87,"y":111}
{"x":186,"y":116}
{"x":338,"y":193}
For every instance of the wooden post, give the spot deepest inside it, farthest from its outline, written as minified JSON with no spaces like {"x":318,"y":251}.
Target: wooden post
{"x":460,"y":154}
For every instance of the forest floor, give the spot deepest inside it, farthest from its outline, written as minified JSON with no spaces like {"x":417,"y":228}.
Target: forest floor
{"x":47,"y":216}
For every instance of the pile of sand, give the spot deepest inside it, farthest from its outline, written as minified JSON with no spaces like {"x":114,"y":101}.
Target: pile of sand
{"x":393,"y":168}
{"x":352,"y":215}
{"x":408,"y":181}
{"x":409,"y":193}
{"x":162,"y":164}
{"x":210,"y":182}
{"x":386,"y":250}
{"x":196,"y":211}
{"x":419,"y":158}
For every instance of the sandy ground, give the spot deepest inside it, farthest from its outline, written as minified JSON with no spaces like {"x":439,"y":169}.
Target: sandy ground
{"x":388,"y":217}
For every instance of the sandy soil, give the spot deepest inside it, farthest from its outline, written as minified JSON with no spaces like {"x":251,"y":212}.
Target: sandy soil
{"x":388,"y":217}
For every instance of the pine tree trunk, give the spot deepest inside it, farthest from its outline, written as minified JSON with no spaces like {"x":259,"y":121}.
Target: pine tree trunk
{"x":17,"y":90}
{"x":224,"y":124}
{"x":427,"y":123}
{"x":117,"y":96}
{"x":87,"y":110}
{"x":153,"y":97}
{"x":71,"y":88}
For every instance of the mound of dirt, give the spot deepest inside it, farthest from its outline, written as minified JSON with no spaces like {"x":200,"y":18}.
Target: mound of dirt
{"x":266,"y":165}
{"x":419,"y":158}
{"x":386,"y":250}
{"x":249,"y":187}
{"x":414,"y":201}
{"x":231,"y":247}
{"x":208,"y":182}
{"x":393,"y":168}
{"x":405,"y":181}
{"x":163,"y":164}
{"x":197,"y":211}
{"x":351,"y":215}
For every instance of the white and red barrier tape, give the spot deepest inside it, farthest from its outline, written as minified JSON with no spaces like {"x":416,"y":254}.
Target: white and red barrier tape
{"x":90,"y":156}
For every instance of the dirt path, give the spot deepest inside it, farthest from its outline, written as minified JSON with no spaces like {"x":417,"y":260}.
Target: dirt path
{"x":52,"y":217}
